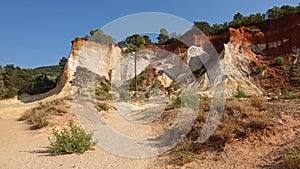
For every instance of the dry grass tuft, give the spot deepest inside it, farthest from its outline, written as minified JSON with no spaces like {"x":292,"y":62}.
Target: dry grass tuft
{"x":43,"y":114}
{"x":292,"y":158}
{"x":241,"y":118}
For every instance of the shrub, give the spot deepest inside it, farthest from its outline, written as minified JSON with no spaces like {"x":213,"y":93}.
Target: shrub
{"x":285,"y":92}
{"x":72,"y":140}
{"x":40,"y":116}
{"x":240,"y":93}
{"x":187,"y":99}
{"x":279,"y":61}
{"x":181,"y":156}
{"x":103,"y":106}
{"x":260,"y":69}
{"x":36,"y":117}
{"x":190,"y":99}
{"x":292,"y":159}
{"x":176,"y":102}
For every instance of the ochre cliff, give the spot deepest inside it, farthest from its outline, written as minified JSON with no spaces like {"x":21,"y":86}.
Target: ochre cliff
{"x":241,"y":51}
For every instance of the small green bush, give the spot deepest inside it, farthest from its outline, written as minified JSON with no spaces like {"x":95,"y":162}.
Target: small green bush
{"x":279,"y":61}
{"x":285,"y":92}
{"x":176,"y":102}
{"x":72,"y":140}
{"x":103,"y":107}
{"x":187,"y":99}
{"x":260,"y":69}
{"x":190,"y":99}
{"x":240,"y":93}
{"x":292,"y":159}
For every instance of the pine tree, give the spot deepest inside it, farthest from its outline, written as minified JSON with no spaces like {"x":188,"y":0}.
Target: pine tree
{"x":163,"y":37}
{"x":2,"y":90}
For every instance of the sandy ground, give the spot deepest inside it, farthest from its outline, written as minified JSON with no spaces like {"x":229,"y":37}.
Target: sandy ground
{"x":24,"y":148}
{"x":21,"y":147}
{"x":12,"y":108}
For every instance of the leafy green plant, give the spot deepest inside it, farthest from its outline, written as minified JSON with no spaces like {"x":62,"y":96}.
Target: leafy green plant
{"x":240,"y":93}
{"x":181,"y":156}
{"x":190,"y":99}
{"x":285,"y":92}
{"x":279,"y":61}
{"x":186,"y":99}
{"x":176,"y":102}
{"x":103,"y":106}
{"x":292,"y":159}
{"x":260,"y":69}
{"x":70,"y":140}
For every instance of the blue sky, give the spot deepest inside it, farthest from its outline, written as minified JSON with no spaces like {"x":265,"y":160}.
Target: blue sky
{"x":35,"y":32}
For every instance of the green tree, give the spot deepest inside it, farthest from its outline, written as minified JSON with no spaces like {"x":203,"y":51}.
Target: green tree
{"x":99,"y":36}
{"x":25,"y":81}
{"x":253,"y":18}
{"x":238,"y":20}
{"x":2,"y":90}
{"x":147,"y":40}
{"x":42,"y":84}
{"x":286,"y":10}
{"x":63,"y":61}
{"x":133,"y":43}
{"x":163,"y":36}
{"x":273,"y":13}
{"x":204,"y":27}
{"x":216,"y":28}
{"x":10,"y":78}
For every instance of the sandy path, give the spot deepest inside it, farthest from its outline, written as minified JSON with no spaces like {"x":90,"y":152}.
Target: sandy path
{"x":12,"y":108}
{"x":24,"y":148}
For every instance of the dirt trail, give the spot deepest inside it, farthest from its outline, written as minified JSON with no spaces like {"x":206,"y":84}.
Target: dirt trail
{"x":21,"y":147}
{"x":12,"y":108}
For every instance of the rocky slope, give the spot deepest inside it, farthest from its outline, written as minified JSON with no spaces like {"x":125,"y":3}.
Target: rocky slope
{"x":91,"y":55}
{"x":262,"y":43}
{"x":241,"y":51}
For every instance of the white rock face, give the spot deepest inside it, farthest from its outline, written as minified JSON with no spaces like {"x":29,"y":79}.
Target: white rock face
{"x":237,"y":74}
{"x":236,"y":68}
{"x":91,"y":55}
{"x":100,"y":59}
{"x":126,"y":69}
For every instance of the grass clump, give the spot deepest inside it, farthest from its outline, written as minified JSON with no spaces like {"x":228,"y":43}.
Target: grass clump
{"x":186,"y":99}
{"x":260,"y":69}
{"x":40,"y":116}
{"x":285,"y":92}
{"x":181,"y":156}
{"x":101,"y":106}
{"x":240,"y":93}
{"x":292,"y":159}
{"x":279,"y":61}
{"x":176,"y":102}
{"x":241,"y":119}
{"x":70,"y":140}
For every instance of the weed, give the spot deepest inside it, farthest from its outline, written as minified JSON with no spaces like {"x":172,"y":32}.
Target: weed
{"x":279,"y":61}
{"x":240,"y":93}
{"x":102,"y":106}
{"x":260,"y":69}
{"x":292,"y":159}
